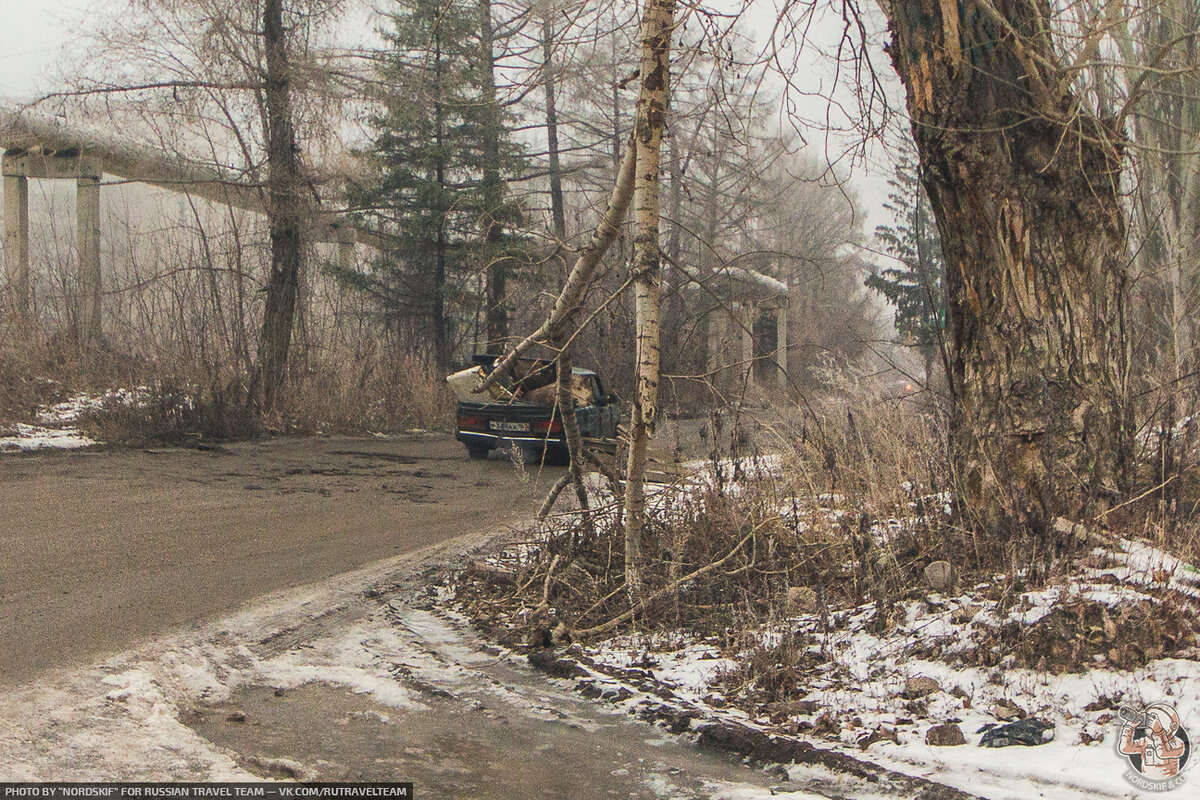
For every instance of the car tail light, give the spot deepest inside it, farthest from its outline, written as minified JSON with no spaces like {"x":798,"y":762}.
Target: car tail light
{"x":472,"y":424}
{"x":545,"y":426}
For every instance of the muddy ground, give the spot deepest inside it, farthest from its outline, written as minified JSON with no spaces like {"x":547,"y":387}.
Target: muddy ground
{"x":102,"y":549}
{"x":267,"y":609}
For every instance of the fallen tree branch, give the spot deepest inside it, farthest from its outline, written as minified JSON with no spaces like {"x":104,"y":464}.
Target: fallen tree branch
{"x":545,"y":605}
{"x":491,"y":574}
{"x":603,"y":600}
{"x":668,"y":589}
{"x":555,"y":491}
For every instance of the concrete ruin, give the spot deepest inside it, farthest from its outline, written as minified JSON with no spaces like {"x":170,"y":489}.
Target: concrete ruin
{"x":753,"y":297}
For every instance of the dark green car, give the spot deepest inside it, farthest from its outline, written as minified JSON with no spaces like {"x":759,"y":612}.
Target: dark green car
{"x":530,"y":418}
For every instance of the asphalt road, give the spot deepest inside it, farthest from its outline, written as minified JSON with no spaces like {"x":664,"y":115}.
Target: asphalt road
{"x":101,"y":550}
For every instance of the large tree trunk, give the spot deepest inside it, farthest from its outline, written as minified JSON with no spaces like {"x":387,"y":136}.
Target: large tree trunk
{"x":437,"y":299}
{"x":1024,"y":183}
{"x":657,"y":27}
{"x":558,"y":212}
{"x":284,"y":211}
{"x":493,"y":190}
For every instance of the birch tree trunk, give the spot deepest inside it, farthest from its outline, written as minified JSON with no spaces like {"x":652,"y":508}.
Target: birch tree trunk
{"x":1024,"y":183}
{"x":284,"y":211}
{"x":657,"y":24}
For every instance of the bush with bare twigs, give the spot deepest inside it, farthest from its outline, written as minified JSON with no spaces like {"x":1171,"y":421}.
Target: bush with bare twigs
{"x":844,"y":516}
{"x":731,"y":543}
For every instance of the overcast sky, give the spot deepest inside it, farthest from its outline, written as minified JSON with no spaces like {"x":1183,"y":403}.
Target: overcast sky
{"x":32,"y":33}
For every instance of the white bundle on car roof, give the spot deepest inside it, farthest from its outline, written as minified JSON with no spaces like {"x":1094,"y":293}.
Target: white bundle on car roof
{"x":464,"y":383}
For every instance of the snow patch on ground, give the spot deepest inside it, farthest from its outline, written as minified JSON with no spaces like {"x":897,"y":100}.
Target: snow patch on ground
{"x":36,"y":437}
{"x":54,"y":428}
{"x":860,"y":677}
{"x":728,"y":791}
{"x":92,"y":725}
{"x":357,"y":659}
{"x":122,"y":720}
{"x":56,"y":425}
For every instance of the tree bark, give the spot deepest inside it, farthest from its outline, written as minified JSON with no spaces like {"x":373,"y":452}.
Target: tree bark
{"x":441,"y":327}
{"x":558,"y":213}
{"x":657,"y":24}
{"x":493,"y":189}
{"x":284,"y":211}
{"x":1024,"y":183}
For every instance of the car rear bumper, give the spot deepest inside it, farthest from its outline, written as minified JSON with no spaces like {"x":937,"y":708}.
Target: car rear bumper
{"x":496,"y":440}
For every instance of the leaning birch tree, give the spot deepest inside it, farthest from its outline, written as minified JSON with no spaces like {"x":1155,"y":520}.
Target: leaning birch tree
{"x":637,"y":181}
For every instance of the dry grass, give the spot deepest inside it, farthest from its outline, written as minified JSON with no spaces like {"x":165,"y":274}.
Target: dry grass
{"x":1077,"y":633}
{"x":21,"y":390}
{"x":850,"y":509}
{"x":180,"y":402}
{"x":375,"y":391}
{"x":778,"y":527}
{"x":171,"y":413}
{"x":772,"y":672}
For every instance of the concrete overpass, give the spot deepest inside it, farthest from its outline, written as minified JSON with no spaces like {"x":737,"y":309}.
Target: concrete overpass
{"x":39,"y":147}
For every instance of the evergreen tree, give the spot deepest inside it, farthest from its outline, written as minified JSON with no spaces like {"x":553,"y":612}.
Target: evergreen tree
{"x":435,"y":160}
{"x":915,"y":286}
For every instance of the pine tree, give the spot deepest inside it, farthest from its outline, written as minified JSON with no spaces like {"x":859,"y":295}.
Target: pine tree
{"x":435,"y":165}
{"x":915,"y":286}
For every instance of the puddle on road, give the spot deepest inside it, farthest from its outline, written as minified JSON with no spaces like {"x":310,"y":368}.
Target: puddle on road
{"x":461,"y":749}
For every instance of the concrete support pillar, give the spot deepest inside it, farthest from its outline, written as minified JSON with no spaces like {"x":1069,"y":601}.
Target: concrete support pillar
{"x":716,"y":341}
{"x":16,"y":241}
{"x":18,"y":168}
{"x":746,"y":317}
{"x":346,"y":253}
{"x":781,"y":342}
{"x":87,"y":210}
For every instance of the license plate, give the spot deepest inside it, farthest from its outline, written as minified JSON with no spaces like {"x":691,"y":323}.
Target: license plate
{"x":511,"y":427}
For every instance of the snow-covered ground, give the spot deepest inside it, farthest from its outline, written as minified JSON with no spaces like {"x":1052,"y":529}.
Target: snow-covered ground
{"x":854,"y":699}
{"x":55,"y":425}
{"x":134,"y":715}
{"x":859,"y":698}
{"x":38,"y":437}
{"x":1081,"y":707}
